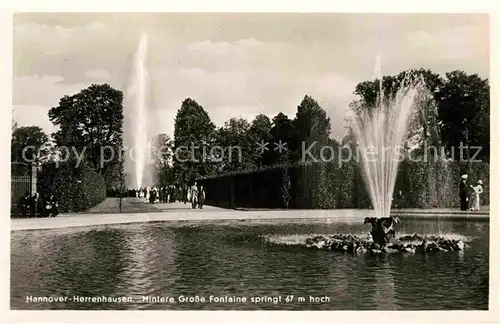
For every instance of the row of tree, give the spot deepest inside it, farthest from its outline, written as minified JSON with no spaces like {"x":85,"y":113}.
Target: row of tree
{"x":454,"y":111}
{"x":457,"y":112}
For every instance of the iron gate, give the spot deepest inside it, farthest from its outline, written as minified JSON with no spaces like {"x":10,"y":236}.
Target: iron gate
{"x":21,"y":183}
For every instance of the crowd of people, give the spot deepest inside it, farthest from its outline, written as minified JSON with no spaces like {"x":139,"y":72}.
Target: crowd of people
{"x":194,"y":194}
{"x":38,"y":206}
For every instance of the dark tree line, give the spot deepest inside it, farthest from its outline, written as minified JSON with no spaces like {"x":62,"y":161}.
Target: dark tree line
{"x":457,"y":111}
{"x":235,"y":145}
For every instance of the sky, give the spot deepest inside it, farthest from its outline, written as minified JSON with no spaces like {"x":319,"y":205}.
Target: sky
{"x":234,"y":65}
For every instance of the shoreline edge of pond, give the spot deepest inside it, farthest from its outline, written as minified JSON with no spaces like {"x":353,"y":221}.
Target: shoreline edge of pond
{"x":235,"y":216}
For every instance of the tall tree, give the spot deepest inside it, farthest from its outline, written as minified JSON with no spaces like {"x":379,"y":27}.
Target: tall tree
{"x":29,"y":144}
{"x":91,"y":122}
{"x":464,"y":109}
{"x":453,"y":111}
{"x":312,"y":125}
{"x":238,"y":145}
{"x":371,"y":92}
{"x":194,"y":131}
{"x":423,"y":122}
{"x":260,"y":133}
{"x":283,"y":135}
{"x":163,"y":159}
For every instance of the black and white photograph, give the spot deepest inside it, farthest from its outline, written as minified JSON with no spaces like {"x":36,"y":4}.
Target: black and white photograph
{"x":326,"y":161}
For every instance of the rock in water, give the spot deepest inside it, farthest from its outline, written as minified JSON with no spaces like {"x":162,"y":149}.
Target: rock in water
{"x":319,"y":242}
{"x":353,"y":244}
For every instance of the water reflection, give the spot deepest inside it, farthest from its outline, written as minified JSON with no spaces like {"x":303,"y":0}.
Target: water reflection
{"x":227,"y":260}
{"x":384,"y":283}
{"x":151,"y":262}
{"x":91,"y":265}
{"x":35,"y":261}
{"x":197,"y":264}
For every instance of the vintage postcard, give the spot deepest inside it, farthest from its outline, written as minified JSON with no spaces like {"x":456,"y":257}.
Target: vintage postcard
{"x":250,"y":161}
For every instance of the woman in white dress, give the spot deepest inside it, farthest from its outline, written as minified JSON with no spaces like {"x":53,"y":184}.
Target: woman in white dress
{"x":478,"y":190}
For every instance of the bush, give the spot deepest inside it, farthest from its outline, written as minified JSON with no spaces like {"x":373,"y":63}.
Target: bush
{"x":327,"y":185}
{"x":76,"y":188}
{"x":285,"y":186}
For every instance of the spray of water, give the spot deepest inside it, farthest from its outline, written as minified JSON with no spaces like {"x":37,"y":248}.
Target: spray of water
{"x":136,"y":118}
{"x":380,"y":132}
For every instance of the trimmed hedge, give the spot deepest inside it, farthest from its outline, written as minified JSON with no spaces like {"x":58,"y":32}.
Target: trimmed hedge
{"x":328,"y":185}
{"x":76,"y":188}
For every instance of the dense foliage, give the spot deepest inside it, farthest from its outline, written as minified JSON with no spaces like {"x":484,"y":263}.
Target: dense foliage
{"x":75,"y":165}
{"x":91,"y":123}
{"x":77,"y":187}
{"x":163,"y":160}
{"x":419,"y":185}
{"x":456,"y":113}
{"x":193,"y":131}
{"x":28,"y":144}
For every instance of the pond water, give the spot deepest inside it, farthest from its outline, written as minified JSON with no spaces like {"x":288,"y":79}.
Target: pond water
{"x":246,"y":259}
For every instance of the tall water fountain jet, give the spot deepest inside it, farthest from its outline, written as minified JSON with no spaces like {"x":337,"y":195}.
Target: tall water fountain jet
{"x":136,"y":123}
{"x":380,"y":132}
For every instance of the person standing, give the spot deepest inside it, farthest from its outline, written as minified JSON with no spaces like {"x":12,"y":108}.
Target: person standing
{"x":35,"y":202}
{"x":152,"y":196}
{"x":176,"y":193}
{"x":476,"y":201}
{"x":55,"y":206}
{"x":463,"y":193}
{"x":25,"y":203}
{"x":185,"y":193}
{"x":201,"y":197}
{"x":46,"y":206}
{"x":193,"y":192}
